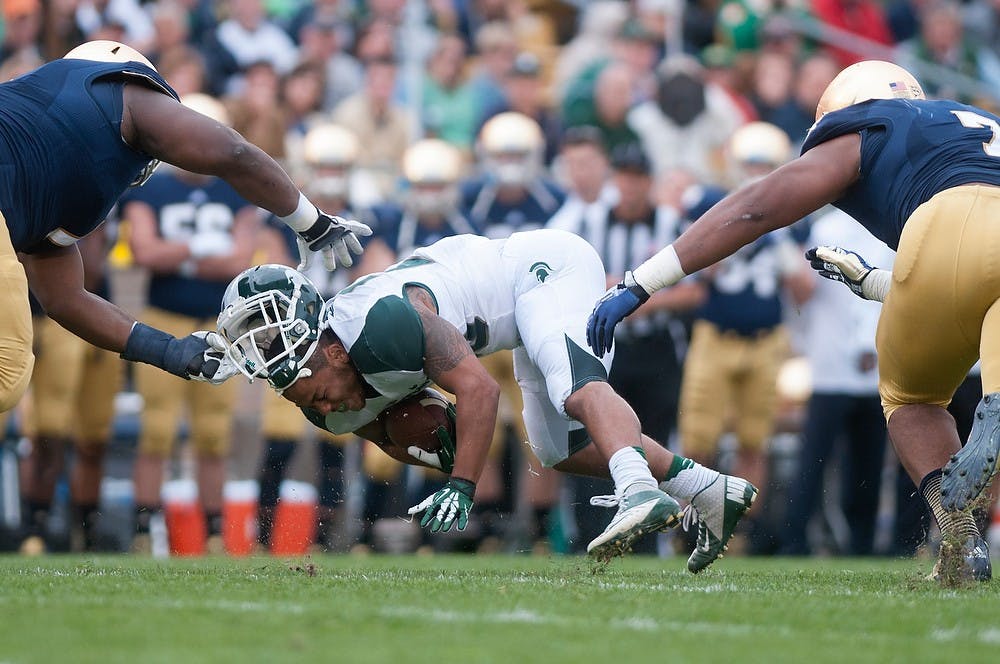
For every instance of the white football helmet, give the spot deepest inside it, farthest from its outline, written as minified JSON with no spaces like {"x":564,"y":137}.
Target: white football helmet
{"x":870,"y":79}
{"x":271,"y":319}
{"x":329,"y":152}
{"x":431,"y":168}
{"x":756,"y":149}
{"x":511,"y":148}
{"x":105,"y":50}
{"x":209,"y":106}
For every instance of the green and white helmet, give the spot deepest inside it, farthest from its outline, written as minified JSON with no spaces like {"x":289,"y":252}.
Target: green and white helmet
{"x":271,"y":319}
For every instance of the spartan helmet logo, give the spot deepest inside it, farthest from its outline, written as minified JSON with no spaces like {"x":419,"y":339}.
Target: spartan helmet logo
{"x":542,"y":271}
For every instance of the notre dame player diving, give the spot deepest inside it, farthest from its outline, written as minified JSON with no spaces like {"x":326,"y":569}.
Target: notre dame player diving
{"x":74,"y":135}
{"x":924,"y":177}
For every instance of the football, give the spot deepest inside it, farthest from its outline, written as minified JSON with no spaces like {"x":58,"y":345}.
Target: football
{"x":415,"y":421}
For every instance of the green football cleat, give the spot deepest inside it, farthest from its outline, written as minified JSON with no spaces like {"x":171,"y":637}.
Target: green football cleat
{"x":717,"y":508}
{"x":640,"y":512}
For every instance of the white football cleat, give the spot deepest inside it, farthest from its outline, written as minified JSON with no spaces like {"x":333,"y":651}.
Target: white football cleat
{"x":640,"y":512}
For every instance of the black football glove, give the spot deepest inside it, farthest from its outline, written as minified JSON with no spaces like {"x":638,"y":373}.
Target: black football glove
{"x":200,"y":356}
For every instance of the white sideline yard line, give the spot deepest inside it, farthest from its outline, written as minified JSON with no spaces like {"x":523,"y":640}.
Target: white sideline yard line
{"x":165,"y":604}
{"x":646,"y":624}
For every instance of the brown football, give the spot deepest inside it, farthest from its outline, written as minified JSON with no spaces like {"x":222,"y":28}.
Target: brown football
{"x":416,"y":419}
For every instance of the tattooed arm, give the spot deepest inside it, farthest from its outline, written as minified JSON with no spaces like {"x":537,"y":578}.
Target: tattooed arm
{"x":449,"y":362}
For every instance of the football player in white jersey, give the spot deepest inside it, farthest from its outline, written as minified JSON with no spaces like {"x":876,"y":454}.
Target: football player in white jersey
{"x":425,"y":319}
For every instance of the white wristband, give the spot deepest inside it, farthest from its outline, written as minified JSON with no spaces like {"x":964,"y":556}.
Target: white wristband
{"x":876,"y":284}
{"x":662,"y":270}
{"x":304,"y":216}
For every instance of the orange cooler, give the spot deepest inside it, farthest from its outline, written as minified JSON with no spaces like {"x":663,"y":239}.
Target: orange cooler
{"x":295,"y":519}
{"x":185,"y":518}
{"x":239,"y":516}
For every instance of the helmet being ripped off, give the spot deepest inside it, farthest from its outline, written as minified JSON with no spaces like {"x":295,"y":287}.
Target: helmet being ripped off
{"x":870,"y":79}
{"x":431,"y":168}
{"x":511,"y":148}
{"x":271,"y":320}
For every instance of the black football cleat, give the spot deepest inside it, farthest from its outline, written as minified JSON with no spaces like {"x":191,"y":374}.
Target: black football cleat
{"x":967,"y":473}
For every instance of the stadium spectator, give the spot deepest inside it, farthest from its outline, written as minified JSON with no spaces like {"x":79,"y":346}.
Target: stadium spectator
{"x":450,"y":106}
{"x":257,"y":112}
{"x":322,"y":43}
{"x":524,"y":92}
{"x":248,"y":37}
{"x":171,"y":30}
{"x":495,"y":50}
{"x":586,"y":177}
{"x":953,"y":182}
{"x":688,"y":124}
{"x":844,"y":416}
{"x":942,"y":41}
{"x":184,"y":69}
{"x":599,"y":22}
{"x":122,"y":20}
{"x":605,"y":106}
{"x":861,"y":18}
{"x":380,"y":124}
{"x":22,"y":28}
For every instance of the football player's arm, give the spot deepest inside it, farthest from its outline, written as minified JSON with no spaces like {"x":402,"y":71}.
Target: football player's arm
{"x":161,"y":127}
{"x":158,"y":125}
{"x":56,"y":279}
{"x":450,"y":362}
{"x":786,"y":195}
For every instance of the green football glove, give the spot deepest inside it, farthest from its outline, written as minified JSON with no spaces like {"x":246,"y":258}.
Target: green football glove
{"x":441,"y":510}
{"x":444,"y":458}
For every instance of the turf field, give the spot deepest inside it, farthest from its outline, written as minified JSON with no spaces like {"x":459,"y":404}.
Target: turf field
{"x":465,"y":610}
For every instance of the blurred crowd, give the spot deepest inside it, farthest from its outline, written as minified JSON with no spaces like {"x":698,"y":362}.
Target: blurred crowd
{"x":620,"y":121}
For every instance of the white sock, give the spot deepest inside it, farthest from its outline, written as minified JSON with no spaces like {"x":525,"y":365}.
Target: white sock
{"x":630,"y":471}
{"x":689,"y":481}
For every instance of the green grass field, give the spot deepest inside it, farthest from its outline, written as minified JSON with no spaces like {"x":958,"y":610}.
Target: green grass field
{"x":463,"y":610}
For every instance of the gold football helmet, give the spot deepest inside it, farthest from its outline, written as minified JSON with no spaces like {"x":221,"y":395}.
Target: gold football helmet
{"x":105,"y":50}
{"x":329,"y":152}
{"x":431,"y":168}
{"x":511,"y":148}
{"x":870,"y":79}
{"x":756,"y":149}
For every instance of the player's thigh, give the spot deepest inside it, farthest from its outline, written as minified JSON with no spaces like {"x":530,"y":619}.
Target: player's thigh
{"x":706,"y":390}
{"x":211,"y":408}
{"x":757,"y":394}
{"x":944,"y":281}
{"x":16,"y":357}
{"x":57,"y":378}
{"x":551,"y":320}
{"x":95,"y":404}
{"x":550,"y":436}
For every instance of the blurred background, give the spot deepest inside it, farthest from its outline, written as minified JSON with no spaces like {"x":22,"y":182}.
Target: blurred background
{"x":619,"y":121}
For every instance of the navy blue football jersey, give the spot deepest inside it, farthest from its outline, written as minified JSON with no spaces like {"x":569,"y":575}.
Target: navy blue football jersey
{"x":183,"y":210}
{"x":63,"y":163}
{"x":497,"y":219}
{"x":403,"y":233}
{"x":910,"y":150}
